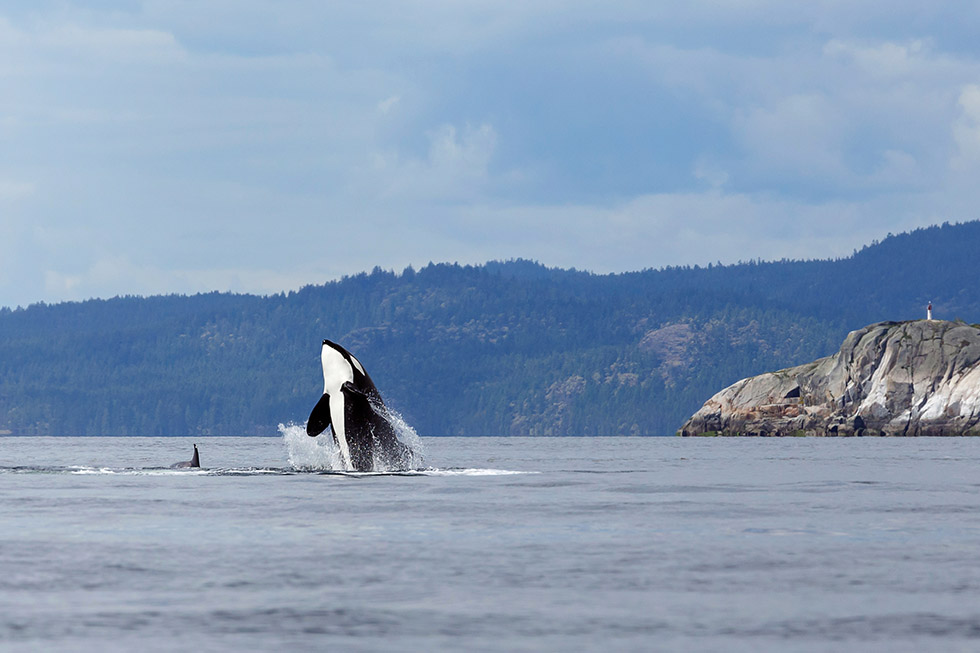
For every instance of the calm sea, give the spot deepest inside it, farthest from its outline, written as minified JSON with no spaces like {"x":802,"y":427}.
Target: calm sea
{"x":500,"y":544}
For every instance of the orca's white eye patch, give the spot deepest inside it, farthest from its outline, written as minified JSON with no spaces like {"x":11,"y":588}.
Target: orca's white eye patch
{"x":357,"y":364}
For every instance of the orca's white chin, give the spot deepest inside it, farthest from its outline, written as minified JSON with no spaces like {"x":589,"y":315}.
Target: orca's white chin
{"x":339,"y":428}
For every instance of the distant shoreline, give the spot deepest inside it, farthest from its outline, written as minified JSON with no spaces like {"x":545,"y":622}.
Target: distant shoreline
{"x":8,"y":434}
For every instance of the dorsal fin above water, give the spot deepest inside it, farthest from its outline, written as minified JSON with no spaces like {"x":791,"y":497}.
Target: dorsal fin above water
{"x":195,"y":461}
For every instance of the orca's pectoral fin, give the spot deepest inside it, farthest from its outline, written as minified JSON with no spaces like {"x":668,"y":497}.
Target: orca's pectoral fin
{"x":319,"y":418}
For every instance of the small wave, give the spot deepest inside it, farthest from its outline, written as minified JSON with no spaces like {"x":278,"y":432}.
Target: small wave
{"x":83,"y":470}
{"x":24,"y":469}
{"x":138,"y":471}
{"x":99,"y":471}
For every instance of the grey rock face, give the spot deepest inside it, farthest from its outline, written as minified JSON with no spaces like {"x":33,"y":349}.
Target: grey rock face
{"x":892,"y":378}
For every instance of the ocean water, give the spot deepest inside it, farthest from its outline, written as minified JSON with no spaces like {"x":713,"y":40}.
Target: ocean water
{"x":498,"y":544}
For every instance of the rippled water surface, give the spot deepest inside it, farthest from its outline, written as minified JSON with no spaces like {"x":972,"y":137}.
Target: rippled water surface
{"x":517,"y":544}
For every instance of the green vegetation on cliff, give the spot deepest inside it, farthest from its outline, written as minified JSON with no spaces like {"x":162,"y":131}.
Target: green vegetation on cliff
{"x":504,"y":348}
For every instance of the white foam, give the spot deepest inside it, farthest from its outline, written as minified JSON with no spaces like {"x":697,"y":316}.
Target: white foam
{"x":92,"y":470}
{"x":472,"y":472}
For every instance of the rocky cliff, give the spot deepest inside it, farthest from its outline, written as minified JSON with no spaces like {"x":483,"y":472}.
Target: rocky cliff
{"x":892,"y":378}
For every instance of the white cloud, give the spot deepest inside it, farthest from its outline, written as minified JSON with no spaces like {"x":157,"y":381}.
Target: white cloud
{"x":711,"y":172}
{"x":118,"y":275}
{"x":799,"y":136}
{"x":840,"y":115}
{"x":58,"y":285}
{"x":386,"y":105}
{"x":652,"y":231}
{"x":882,"y":60}
{"x":13,"y":190}
{"x":966,"y":129}
{"x":456,"y":167}
{"x":125,"y":45}
{"x":470,"y":151}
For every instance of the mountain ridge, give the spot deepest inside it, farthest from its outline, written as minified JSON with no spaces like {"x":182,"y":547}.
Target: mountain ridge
{"x":505,"y":348}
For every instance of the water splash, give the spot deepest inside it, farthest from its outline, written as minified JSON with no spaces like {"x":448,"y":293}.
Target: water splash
{"x":413,"y":458}
{"x":310,"y":454}
{"x":322,"y":453}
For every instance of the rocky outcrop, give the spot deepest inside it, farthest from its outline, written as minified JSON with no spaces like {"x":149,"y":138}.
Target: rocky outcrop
{"x":892,"y":378}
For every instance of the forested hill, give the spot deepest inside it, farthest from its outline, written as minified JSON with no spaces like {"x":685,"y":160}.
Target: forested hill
{"x":504,"y":348}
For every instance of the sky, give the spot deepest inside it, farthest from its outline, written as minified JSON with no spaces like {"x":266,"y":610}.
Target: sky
{"x":172,"y":146}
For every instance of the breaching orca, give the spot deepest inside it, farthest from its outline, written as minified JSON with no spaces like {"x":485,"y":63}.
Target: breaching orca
{"x":351,"y":405}
{"x":195,"y":461}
